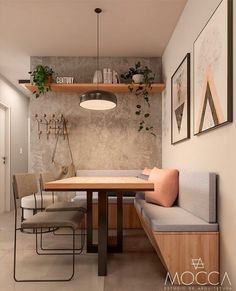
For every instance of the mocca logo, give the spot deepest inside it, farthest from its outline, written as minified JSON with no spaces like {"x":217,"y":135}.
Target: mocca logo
{"x":199,"y":278}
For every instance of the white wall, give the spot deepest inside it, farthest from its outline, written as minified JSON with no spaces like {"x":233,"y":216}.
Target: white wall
{"x":18,"y":104}
{"x":213,"y":151}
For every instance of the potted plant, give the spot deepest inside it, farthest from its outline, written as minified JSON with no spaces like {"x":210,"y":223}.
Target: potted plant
{"x":135,"y":74}
{"x":142,"y":93}
{"x":42,"y":77}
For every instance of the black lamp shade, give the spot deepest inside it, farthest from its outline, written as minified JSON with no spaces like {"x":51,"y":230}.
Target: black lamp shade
{"x":98,"y":100}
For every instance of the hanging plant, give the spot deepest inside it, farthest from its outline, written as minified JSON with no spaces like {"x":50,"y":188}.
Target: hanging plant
{"x":144,"y":77}
{"x":42,"y":77}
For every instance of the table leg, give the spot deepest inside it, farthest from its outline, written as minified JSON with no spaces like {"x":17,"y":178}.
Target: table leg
{"x":91,"y":248}
{"x":118,"y":247}
{"x":102,"y":232}
{"x":119,"y":222}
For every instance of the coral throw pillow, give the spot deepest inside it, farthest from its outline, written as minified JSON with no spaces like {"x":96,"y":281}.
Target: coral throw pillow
{"x":166,"y":184}
{"x":146,"y":171}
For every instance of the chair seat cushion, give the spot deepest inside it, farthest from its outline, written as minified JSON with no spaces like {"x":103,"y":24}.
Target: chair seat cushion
{"x":29,"y":201}
{"x":54,"y":219}
{"x":171,"y":219}
{"x":68,"y":206}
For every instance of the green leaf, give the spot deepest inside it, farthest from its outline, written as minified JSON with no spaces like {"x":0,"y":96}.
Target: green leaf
{"x":140,"y":128}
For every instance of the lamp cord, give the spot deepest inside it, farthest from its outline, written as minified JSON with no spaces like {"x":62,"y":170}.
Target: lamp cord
{"x":97,"y":47}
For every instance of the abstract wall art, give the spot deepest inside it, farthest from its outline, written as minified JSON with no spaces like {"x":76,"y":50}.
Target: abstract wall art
{"x":212,"y":72}
{"x":180,"y":102}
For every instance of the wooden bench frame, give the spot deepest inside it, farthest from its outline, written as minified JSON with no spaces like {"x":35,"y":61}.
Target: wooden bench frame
{"x":176,"y":251}
{"x":130,"y":217}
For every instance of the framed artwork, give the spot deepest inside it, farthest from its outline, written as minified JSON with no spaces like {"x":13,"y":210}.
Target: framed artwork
{"x":180,"y":102}
{"x":213,"y":71}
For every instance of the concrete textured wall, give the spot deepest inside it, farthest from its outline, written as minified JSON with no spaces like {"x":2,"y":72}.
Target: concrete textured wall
{"x":212,"y":151}
{"x":99,"y":140}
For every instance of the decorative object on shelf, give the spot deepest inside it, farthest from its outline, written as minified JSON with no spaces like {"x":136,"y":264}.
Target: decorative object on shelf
{"x":98,"y":99}
{"x":64,"y":80}
{"x":142,"y":92}
{"x":51,"y":125}
{"x":213,"y":67}
{"x":42,"y":77}
{"x":107,"y":76}
{"x":180,"y":102}
{"x":115,"y":77}
{"x":97,"y":78}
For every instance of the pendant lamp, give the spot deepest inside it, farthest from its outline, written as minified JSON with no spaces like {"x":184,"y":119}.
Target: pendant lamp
{"x":98,"y":99}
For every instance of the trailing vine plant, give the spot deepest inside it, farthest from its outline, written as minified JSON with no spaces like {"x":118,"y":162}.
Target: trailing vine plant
{"x":42,"y":76}
{"x":142,"y":92}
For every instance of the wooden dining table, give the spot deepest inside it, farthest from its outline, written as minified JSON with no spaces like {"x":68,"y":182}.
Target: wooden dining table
{"x":102,"y":185}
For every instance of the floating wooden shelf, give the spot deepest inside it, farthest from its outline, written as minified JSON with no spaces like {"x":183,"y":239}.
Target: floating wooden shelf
{"x":82,"y":87}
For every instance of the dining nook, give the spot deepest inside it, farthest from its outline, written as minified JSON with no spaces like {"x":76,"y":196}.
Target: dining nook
{"x":117,"y":145}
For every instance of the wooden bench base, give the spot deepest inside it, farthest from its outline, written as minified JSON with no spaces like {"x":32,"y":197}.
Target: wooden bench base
{"x":130,"y":217}
{"x":190,"y":258}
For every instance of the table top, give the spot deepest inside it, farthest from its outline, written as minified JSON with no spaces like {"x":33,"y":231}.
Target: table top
{"x":100,"y":183}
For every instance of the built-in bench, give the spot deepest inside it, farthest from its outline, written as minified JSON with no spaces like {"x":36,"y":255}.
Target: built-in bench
{"x":130,"y":217}
{"x":186,"y":236}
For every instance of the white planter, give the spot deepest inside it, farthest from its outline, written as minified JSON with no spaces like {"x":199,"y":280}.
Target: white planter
{"x":138,"y":78}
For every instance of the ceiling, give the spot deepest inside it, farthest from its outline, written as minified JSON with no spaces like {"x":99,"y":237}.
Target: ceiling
{"x":68,"y":28}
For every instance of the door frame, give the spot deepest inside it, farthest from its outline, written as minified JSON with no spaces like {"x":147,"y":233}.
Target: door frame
{"x":8,"y":155}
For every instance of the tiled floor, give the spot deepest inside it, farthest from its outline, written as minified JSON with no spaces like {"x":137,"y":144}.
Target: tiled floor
{"x":138,"y":268}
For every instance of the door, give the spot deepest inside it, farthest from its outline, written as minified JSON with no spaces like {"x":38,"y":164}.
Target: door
{"x":2,"y":159}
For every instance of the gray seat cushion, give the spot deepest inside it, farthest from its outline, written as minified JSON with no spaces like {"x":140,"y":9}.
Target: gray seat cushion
{"x":111,"y":199}
{"x":126,"y":200}
{"x":170,"y":218}
{"x":139,"y":201}
{"x":68,"y":206}
{"x":54,"y":219}
{"x":174,"y":219}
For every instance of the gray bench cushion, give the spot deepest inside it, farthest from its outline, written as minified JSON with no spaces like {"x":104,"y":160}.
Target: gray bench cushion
{"x":112,"y":199}
{"x":139,"y":201}
{"x":171,"y":219}
{"x":68,"y":206}
{"x":197,"y":194}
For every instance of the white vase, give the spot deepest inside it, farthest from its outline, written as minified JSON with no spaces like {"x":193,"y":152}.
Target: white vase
{"x":97,"y":78}
{"x":138,"y":78}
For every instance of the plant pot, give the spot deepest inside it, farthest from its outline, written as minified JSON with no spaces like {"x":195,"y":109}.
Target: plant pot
{"x":48,"y":81}
{"x":138,"y":78}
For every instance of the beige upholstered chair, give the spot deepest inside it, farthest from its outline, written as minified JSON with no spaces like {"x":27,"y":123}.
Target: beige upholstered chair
{"x":25,"y":185}
{"x":30,"y":207}
{"x":60,"y":206}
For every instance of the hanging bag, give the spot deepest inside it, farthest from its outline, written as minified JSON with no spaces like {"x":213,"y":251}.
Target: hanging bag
{"x":64,"y":170}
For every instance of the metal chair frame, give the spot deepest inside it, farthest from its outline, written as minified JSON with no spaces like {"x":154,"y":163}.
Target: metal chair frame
{"x":36,"y":236}
{"x":60,"y":234}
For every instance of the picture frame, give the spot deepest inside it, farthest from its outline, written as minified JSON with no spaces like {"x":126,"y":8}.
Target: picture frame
{"x":213,"y":71}
{"x":180,"y":102}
